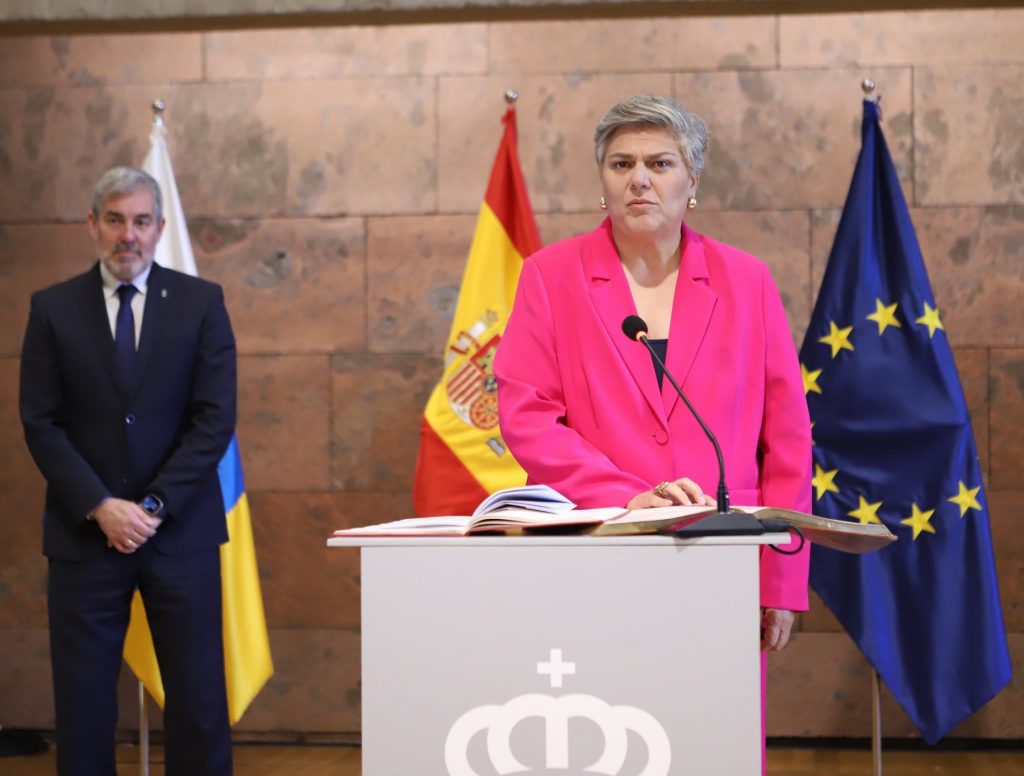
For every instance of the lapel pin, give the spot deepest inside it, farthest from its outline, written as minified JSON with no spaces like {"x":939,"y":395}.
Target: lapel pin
{"x":163,"y":293}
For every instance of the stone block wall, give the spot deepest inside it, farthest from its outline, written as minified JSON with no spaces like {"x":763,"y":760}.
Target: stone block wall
{"x":332,"y":176}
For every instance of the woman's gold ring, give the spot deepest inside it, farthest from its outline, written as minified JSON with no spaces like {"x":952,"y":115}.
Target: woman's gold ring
{"x":660,"y":490}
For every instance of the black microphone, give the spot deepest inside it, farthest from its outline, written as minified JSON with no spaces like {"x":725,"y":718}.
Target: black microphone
{"x":721,"y":521}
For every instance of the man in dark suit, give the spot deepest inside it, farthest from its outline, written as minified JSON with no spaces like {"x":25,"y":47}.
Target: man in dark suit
{"x":128,"y":402}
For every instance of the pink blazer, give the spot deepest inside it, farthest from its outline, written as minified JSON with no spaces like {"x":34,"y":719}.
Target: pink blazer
{"x":580,"y":407}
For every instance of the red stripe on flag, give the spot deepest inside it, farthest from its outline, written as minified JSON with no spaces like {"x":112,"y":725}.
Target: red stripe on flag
{"x":464,"y":383}
{"x":506,"y":192}
{"x":442,"y":484}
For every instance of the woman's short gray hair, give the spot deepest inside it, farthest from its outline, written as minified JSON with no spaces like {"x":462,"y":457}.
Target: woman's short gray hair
{"x":645,"y":111}
{"x":118,"y":181}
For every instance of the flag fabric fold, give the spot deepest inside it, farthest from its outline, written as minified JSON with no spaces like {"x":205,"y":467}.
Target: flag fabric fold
{"x":247,"y":659}
{"x":462,"y":457}
{"x":893,"y":444}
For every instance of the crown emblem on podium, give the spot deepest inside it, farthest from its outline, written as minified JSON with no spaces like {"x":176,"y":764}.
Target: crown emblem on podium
{"x":615,"y":722}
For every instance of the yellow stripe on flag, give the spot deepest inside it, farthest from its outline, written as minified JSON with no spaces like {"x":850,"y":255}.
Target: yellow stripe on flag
{"x":139,"y":654}
{"x":492,"y":273}
{"x":485,"y":301}
{"x":247,"y":663}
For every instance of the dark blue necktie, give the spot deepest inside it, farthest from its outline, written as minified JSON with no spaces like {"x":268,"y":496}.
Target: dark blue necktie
{"x":124,"y":335}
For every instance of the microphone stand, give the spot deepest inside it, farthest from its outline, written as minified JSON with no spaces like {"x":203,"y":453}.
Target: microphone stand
{"x":721,"y":522}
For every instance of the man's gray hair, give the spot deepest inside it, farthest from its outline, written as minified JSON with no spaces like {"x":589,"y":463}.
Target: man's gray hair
{"x":646,"y":112}
{"x":119,"y":181}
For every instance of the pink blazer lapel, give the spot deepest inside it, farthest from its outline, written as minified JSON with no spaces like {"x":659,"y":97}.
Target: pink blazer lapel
{"x":692,"y":306}
{"x":610,"y":295}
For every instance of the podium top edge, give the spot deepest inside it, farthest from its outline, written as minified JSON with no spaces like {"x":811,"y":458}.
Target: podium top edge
{"x":469,"y":542}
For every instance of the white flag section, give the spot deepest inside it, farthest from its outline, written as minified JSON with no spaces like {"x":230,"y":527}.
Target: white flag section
{"x":174,"y":250}
{"x":247,"y":660}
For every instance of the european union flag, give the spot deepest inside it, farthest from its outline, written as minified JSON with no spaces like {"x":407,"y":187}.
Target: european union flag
{"x":893,"y":444}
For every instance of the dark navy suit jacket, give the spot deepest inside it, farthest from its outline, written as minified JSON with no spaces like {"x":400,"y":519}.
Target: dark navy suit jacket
{"x":163,"y":434}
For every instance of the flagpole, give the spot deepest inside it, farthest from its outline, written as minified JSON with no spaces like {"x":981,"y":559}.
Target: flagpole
{"x":876,"y":724}
{"x":157,"y":106}
{"x":143,"y":732}
{"x":868,"y":87}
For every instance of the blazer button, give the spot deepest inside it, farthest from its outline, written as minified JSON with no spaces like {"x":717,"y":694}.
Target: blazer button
{"x":129,"y":419}
{"x":661,"y":438}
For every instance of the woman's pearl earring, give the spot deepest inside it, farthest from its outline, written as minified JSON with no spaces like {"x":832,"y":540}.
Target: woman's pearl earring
{"x":691,"y":203}
{"x":604,"y":205}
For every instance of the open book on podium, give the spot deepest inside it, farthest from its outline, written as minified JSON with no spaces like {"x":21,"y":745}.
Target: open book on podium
{"x":512,"y":510}
{"x":540,"y":509}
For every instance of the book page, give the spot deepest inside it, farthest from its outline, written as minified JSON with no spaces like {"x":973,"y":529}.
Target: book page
{"x":529,"y":517}
{"x":537,"y":497}
{"x":445,"y":525}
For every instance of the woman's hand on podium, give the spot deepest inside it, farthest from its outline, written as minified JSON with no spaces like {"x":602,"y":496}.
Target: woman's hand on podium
{"x":776,"y":625}
{"x":681,"y":491}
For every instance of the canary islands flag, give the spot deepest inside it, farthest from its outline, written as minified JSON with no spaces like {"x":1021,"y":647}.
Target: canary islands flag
{"x":247,"y":659}
{"x":893,"y":445}
{"x":462,"y":457}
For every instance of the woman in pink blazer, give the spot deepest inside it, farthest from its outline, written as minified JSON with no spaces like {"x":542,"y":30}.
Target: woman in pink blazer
{"x":583,"y":408}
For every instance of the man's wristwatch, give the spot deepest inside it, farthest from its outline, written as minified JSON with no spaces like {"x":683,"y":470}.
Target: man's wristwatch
{"x":152,"y":505}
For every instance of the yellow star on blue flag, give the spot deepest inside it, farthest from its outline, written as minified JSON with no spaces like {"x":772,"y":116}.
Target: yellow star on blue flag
{"x":837,"y":338}
{"x":810,"y":379}
{"x":920,"y":520}
{"x":966,"y":498}
{"x":865,"y":512}
{"x":823,"y":481}
{"x":930,"y":319}
{"x":884,"y":315}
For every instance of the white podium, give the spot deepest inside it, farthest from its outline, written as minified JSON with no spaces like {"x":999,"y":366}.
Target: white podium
{"x":621,"y":656}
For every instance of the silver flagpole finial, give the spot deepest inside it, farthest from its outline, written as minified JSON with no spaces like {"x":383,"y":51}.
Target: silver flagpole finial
{"x":868,"y":87}
{"x":157,"y":107}
{"x":511,"y":95}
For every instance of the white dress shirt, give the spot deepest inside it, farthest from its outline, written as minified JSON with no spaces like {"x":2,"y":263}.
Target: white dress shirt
{"x":113,"y":301}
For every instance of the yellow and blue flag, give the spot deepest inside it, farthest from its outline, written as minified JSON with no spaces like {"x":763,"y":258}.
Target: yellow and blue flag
{"x":247,"y":661}
{"x":894,"y":445}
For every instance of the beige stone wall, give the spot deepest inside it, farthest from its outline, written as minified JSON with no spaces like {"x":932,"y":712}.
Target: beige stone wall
{"x":332,"y":177}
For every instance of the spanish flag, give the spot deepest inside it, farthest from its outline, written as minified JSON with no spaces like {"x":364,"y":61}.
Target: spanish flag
{"x":247,"y":661}
{"x":462,"y":457}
